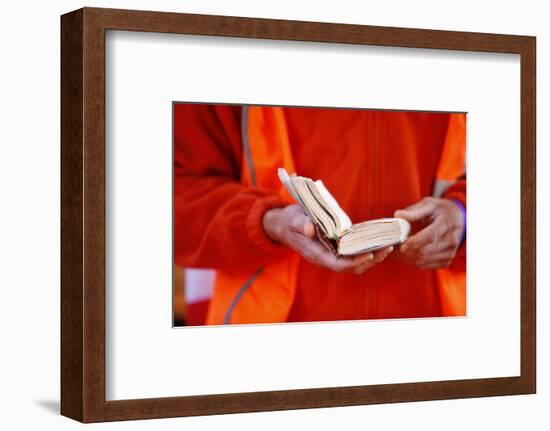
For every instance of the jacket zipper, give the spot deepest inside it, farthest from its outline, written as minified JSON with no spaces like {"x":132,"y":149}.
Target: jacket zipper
{"x":370,"y":291}
{"x":374,"y":198}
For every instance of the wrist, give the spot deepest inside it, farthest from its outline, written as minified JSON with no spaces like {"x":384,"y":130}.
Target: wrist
{"x":463,"y":216}
{"x":255,"y":226}
{"x":270,"y":223}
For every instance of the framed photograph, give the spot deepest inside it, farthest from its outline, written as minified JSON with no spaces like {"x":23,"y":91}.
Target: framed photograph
{"x":266,"y":215}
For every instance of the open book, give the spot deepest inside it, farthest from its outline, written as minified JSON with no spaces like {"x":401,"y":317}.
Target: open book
{"x":333,"y":225}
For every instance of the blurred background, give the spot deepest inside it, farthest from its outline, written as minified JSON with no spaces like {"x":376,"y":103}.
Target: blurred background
{"x":191,"y":295}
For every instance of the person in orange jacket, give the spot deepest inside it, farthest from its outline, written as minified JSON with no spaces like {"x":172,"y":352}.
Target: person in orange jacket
{"x":232,"y":214}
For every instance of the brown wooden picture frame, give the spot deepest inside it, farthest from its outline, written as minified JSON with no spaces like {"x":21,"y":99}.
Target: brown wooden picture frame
{"x":83,"y":214}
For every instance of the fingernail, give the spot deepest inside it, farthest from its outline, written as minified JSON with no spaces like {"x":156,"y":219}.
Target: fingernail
{"x":370,"y":256}
{"x":390,"y":250}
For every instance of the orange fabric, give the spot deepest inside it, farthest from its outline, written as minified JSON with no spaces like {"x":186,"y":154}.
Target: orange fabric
{"x":452,"y":165}
{"x":217,"y":220}
{"x":268,"y":139}
{"x":452,"y":288}
{"x":270,"y":296}
{"x":374,"y":162}
{"x":453,"y":157}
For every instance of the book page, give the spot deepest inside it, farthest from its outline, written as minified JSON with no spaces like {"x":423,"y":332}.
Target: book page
{"x":318,"y":203}
{"x":373,"y":235}
{"x":314,"y":207}
{"x":343,"y":220}
{"x":298,"y":188}
{"x":287,"y":182}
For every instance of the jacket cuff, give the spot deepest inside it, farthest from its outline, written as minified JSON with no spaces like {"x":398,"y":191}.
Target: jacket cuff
{"x":463,"y":212}
{"x":254,"y":225}
{"x":457,"y":192}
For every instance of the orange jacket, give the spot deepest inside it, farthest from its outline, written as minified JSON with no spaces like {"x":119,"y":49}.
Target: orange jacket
{"x":374,"y":162}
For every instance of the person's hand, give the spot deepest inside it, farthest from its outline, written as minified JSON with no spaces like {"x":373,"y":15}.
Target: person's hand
{"x":292,"y":227}
{"x":436,"y":244}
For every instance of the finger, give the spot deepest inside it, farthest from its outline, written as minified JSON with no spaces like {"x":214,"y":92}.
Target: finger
{"x":307,"y":247}
{"x":421,"y":239}
{"x":347,"y":264}
{"x":380,"y":255}
{"x":361,"y":269}
{"x":302,"y":224}
{"x":439,"y":264}
{"x":417,"y":211}
{"x":447,"y":254}
{"x":309,"y":229}
{"x":361,"y":259}
{"x":423,"y":259}
{"x":362,"y":262}
{"x":313,"y":251}
{"x":426,"y":236}
{"x":439,"y":246}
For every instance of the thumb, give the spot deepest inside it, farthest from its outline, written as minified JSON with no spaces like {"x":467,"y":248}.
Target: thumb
{"x":302,"y":224}
{"x":309,"y":229}
{"x":417,"y":211}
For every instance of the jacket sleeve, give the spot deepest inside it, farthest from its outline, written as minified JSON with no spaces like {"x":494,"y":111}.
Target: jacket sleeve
{"x":452,"y":169}
{"x":458,"y":192}
{"x":217,"y":220}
